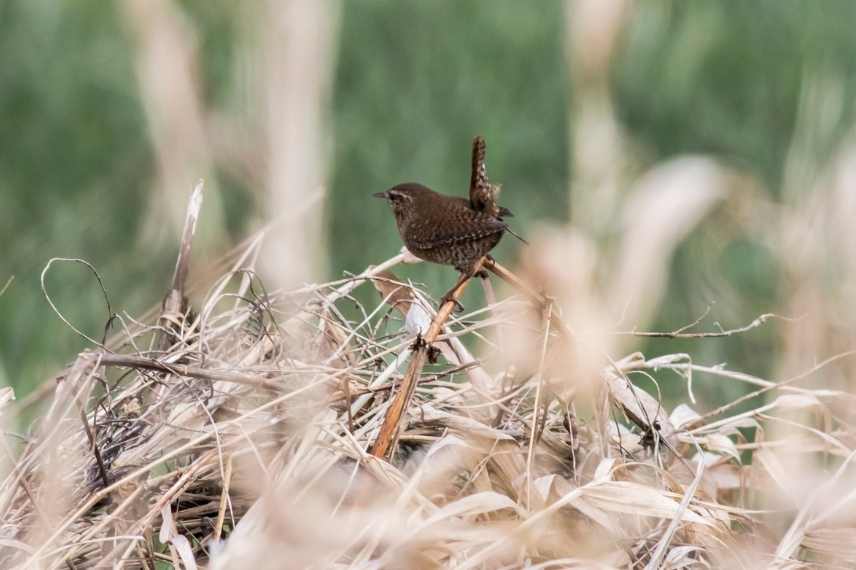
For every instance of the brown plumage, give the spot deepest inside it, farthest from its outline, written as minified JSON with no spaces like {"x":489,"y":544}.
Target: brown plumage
{"x":483,"y":194}
{"x":443,"y":229}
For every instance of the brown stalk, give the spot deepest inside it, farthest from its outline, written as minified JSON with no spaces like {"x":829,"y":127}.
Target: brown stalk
{"x":93,"y":444}
{"x":509,"y":277}
{"x":384,"y":445}
{"x":190,"y":371}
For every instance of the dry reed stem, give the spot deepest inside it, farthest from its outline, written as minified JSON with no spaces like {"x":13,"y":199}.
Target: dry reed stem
{"x":384,"y":445}
{"x":175,"y":300}
{"x":520,"y":285}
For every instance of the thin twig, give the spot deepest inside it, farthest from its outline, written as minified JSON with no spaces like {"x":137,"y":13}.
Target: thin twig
{"x":224,"y":500}
{"x":679,"y":333}
{"x":534,"y":433}
{"x":509,"y":277}
{"x":56,"y":309}
{"x":191,"y":371}
{"x":102,"y":469}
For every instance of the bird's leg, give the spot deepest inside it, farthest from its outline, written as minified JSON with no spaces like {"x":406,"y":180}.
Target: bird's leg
{"x":482,"y":273}
{"x":418,"y":342}
{"x":467,"y":272}
{"x":433,"y":354}
{"x":459,"y":308}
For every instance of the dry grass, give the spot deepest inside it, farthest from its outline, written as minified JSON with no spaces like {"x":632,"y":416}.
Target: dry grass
{"x":238,"y":436}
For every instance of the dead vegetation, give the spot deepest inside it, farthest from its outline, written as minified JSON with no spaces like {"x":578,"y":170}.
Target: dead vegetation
{"x":239,"y":434}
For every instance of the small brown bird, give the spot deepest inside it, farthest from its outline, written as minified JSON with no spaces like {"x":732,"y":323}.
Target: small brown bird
{"x":450,"y":230}
{"x":447,"y":229}
{"x":443,"y":229}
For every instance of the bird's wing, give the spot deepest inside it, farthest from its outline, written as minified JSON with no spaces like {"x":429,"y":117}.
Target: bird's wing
{"x":457,"y":225}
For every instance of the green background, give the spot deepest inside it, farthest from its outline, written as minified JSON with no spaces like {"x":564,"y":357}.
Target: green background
{"x":414,"y":81}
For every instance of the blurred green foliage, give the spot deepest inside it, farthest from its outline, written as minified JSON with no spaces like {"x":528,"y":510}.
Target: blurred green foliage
{"x":74,"y":169}
{"x":414,"y":82}
{"x":727,"y":77}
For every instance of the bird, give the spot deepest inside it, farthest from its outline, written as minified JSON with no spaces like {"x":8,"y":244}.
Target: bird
{"x":442,"y":229}
{"x":450,"y":230}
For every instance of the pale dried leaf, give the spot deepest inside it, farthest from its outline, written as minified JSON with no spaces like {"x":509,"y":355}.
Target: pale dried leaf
{"x":719,"y":443}
{"x":474,"y":505}
{"x":169,"y":535}
{"x":635,"y":499}
{"x":836,"y":543}
{"x":604,"y":468}
{"x":796,"y":401}
{"x":643,"y":409}
{"x":683,"y":414}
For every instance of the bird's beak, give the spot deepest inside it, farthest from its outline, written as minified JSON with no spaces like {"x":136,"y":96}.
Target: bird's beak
{"x":383,"y":195}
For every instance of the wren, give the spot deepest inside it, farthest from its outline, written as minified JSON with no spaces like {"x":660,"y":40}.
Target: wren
{"x":446,"y":229}
{"x":442,"y":229}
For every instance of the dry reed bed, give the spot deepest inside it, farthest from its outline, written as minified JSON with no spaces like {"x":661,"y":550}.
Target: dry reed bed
{"x":237,"y":436}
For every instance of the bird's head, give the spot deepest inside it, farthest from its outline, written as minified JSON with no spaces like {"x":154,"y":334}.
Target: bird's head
{"x":402,"y":198}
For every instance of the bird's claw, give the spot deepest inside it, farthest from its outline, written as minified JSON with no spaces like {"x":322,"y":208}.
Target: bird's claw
{"x":459,"y":308}
{"x":432,"y":352}
{"x":418,"y":343}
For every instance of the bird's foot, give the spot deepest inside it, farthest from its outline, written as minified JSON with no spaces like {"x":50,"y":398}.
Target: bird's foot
{"x":459,"y":308}
{"x":433,"y":354}
{"x":483,"y":273}
{"x":418,"y":343}
{"x":432,"y":351}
